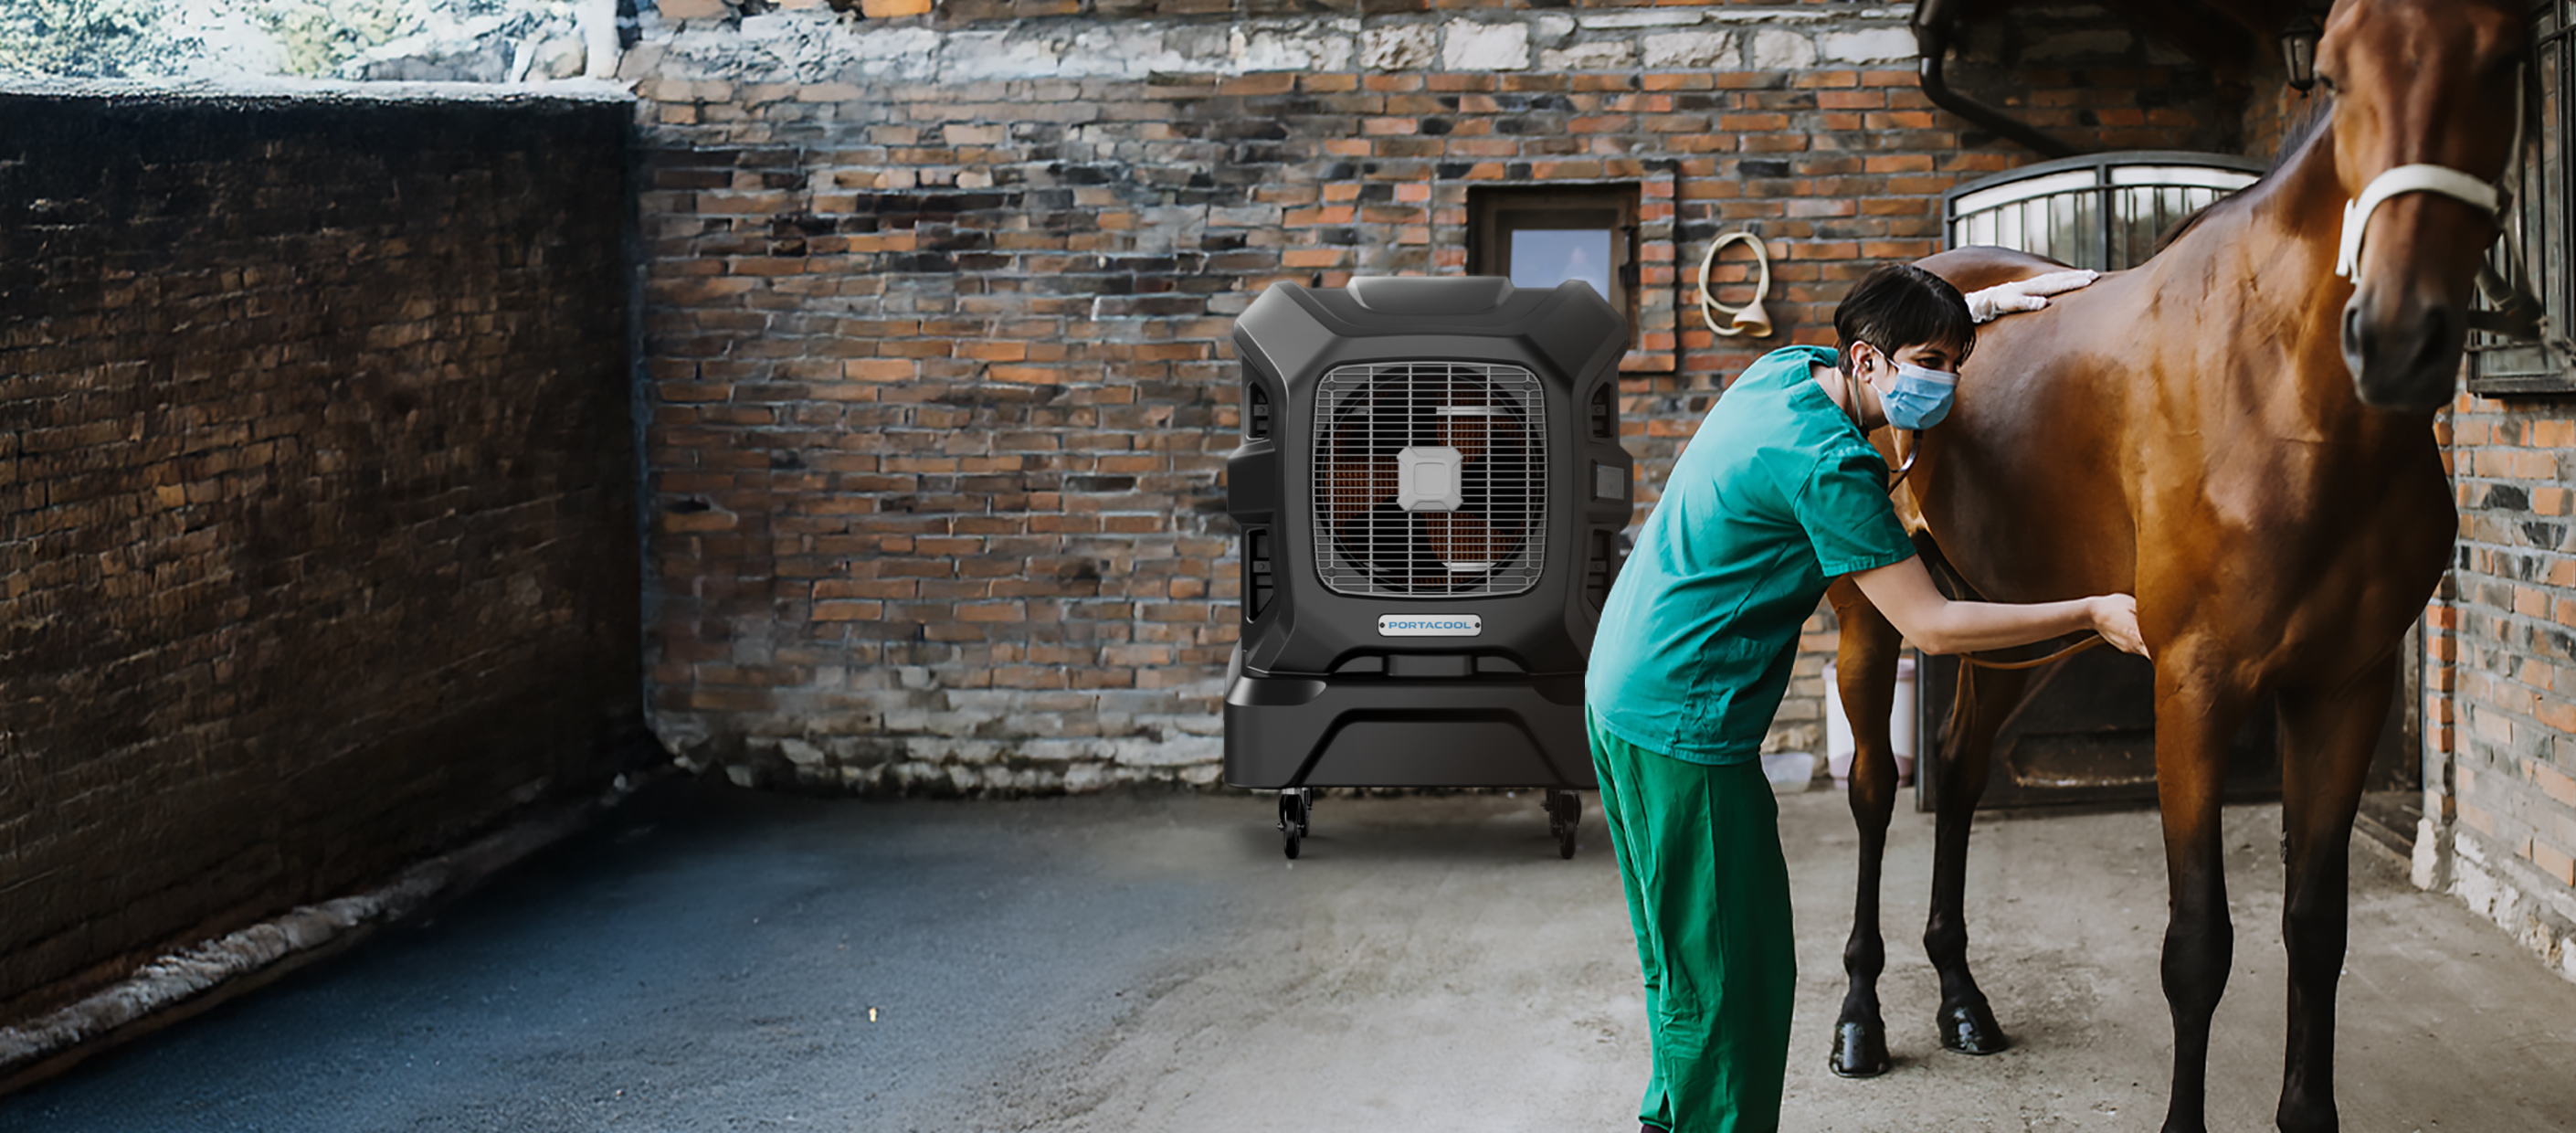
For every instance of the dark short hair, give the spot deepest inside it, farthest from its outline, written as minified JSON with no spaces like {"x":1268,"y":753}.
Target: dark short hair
{"x":1901,"y":305}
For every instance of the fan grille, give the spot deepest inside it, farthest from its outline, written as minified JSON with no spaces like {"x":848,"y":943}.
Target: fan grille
{"x":1494,"y":543}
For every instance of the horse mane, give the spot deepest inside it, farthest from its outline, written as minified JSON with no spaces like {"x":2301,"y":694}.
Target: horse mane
{"x":2175,"y":230}
{"x":2294,"y":138}
{"x":2302,"y":130}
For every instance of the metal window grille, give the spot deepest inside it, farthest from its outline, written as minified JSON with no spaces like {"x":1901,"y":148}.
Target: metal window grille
{"x":1493,"y":543}
{"x":2540,"y":223}
{"x":2102,"y":211}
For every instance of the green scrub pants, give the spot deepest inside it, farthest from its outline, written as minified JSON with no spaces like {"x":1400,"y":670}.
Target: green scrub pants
{"x":1708,"y":895}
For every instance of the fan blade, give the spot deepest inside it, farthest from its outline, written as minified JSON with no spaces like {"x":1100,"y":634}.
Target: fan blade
{"x":1468,"y":434}
{"x":1458,"y":538}
{"x":1354,"y":487}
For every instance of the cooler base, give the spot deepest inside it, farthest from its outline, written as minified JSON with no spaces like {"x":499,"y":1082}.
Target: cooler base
{"x":1372,"y":731}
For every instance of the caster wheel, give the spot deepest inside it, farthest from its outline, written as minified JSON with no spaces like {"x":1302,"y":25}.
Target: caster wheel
{"x":1564,"y":818}
{"x":1294,"y":808}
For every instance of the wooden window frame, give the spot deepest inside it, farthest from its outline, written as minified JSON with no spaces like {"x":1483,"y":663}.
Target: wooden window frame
{"x":1496,"y":211}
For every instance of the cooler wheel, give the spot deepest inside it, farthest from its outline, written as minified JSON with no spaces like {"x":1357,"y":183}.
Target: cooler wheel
{"x":1564,"y":817}
{"x":1294,"y":808}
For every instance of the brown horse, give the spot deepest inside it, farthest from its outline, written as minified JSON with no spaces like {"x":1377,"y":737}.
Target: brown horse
{"x":2243,"y":440}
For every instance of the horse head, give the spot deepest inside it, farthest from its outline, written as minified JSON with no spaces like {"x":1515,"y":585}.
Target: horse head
{"x":2425,"y":118}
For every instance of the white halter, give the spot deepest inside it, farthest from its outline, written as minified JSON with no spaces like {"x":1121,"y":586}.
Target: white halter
{"x":2440,"y":179}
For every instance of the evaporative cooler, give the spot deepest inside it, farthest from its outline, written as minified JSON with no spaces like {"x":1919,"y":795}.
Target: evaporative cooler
{"x":1430,"y":492}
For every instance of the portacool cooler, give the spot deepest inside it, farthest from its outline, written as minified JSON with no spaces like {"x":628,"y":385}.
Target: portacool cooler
{"x":1430,"y":493}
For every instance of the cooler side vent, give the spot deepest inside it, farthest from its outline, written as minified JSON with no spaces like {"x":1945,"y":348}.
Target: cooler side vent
{"x":1600,"y":568}
{"x":1259,"y":581}
{"x":1256,"y":411}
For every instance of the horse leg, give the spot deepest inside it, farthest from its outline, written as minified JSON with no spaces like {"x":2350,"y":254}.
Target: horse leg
{"x":1866,"y":672}
{"x":2327,"y":738}
{"x":1966,"y":1022}
{"x":2196,"y":716}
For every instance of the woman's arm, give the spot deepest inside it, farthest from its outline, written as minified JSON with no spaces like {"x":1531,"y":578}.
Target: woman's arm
{"x":1935,"y":624}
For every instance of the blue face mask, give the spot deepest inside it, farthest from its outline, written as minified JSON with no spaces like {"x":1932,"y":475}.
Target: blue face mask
{"x":1921,"y":397}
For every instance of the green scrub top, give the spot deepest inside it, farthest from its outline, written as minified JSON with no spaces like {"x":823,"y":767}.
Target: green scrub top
{"x":1777,"y":493}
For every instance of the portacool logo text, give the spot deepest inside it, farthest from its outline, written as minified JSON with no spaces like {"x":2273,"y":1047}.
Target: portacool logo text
{"x":1430,"y":625}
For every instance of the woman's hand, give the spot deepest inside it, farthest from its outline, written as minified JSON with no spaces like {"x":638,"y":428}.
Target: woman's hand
{"x":2025,"y":294}
{"x":2115,"y":617}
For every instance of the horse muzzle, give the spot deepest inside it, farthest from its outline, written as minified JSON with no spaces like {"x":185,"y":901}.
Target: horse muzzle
{"x":2403,"y":330}
{"x":2404,"y":349}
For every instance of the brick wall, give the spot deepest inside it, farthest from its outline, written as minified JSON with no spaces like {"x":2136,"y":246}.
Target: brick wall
{"x":317,"y":529}
{"x":937,"y":307}
{"x":2500,"y":729}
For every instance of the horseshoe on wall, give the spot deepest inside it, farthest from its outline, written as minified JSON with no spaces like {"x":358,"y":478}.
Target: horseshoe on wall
{"x":1749,"y":319}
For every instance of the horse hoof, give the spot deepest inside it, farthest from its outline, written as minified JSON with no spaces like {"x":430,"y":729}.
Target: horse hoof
{"x":1860,"y":1050}
{"x":1970,"y":1028}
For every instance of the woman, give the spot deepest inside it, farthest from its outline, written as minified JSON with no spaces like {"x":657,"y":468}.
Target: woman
{"x":1778,"y":493}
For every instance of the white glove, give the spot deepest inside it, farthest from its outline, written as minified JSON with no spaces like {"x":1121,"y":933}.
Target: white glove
{"x":2025,"y":294}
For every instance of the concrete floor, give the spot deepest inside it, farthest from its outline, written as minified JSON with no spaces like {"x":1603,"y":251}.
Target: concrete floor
{"x":710,"y":959}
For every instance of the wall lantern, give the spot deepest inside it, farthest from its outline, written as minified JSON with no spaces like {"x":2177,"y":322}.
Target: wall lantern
{"x":2299,"y":50}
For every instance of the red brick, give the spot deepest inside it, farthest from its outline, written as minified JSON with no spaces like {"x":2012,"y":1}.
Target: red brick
{"x":881,"y":369}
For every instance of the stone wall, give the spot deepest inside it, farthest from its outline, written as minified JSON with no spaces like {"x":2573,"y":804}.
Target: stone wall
{"x":938,"y":304}
{"x":318,"y":545}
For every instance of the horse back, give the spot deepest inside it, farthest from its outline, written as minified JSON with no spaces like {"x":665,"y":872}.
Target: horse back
{"x":1981,"y":266}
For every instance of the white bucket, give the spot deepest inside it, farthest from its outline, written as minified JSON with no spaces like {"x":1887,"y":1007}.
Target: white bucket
{"x":1789,"y":771}
{"x":1839,"y":746}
